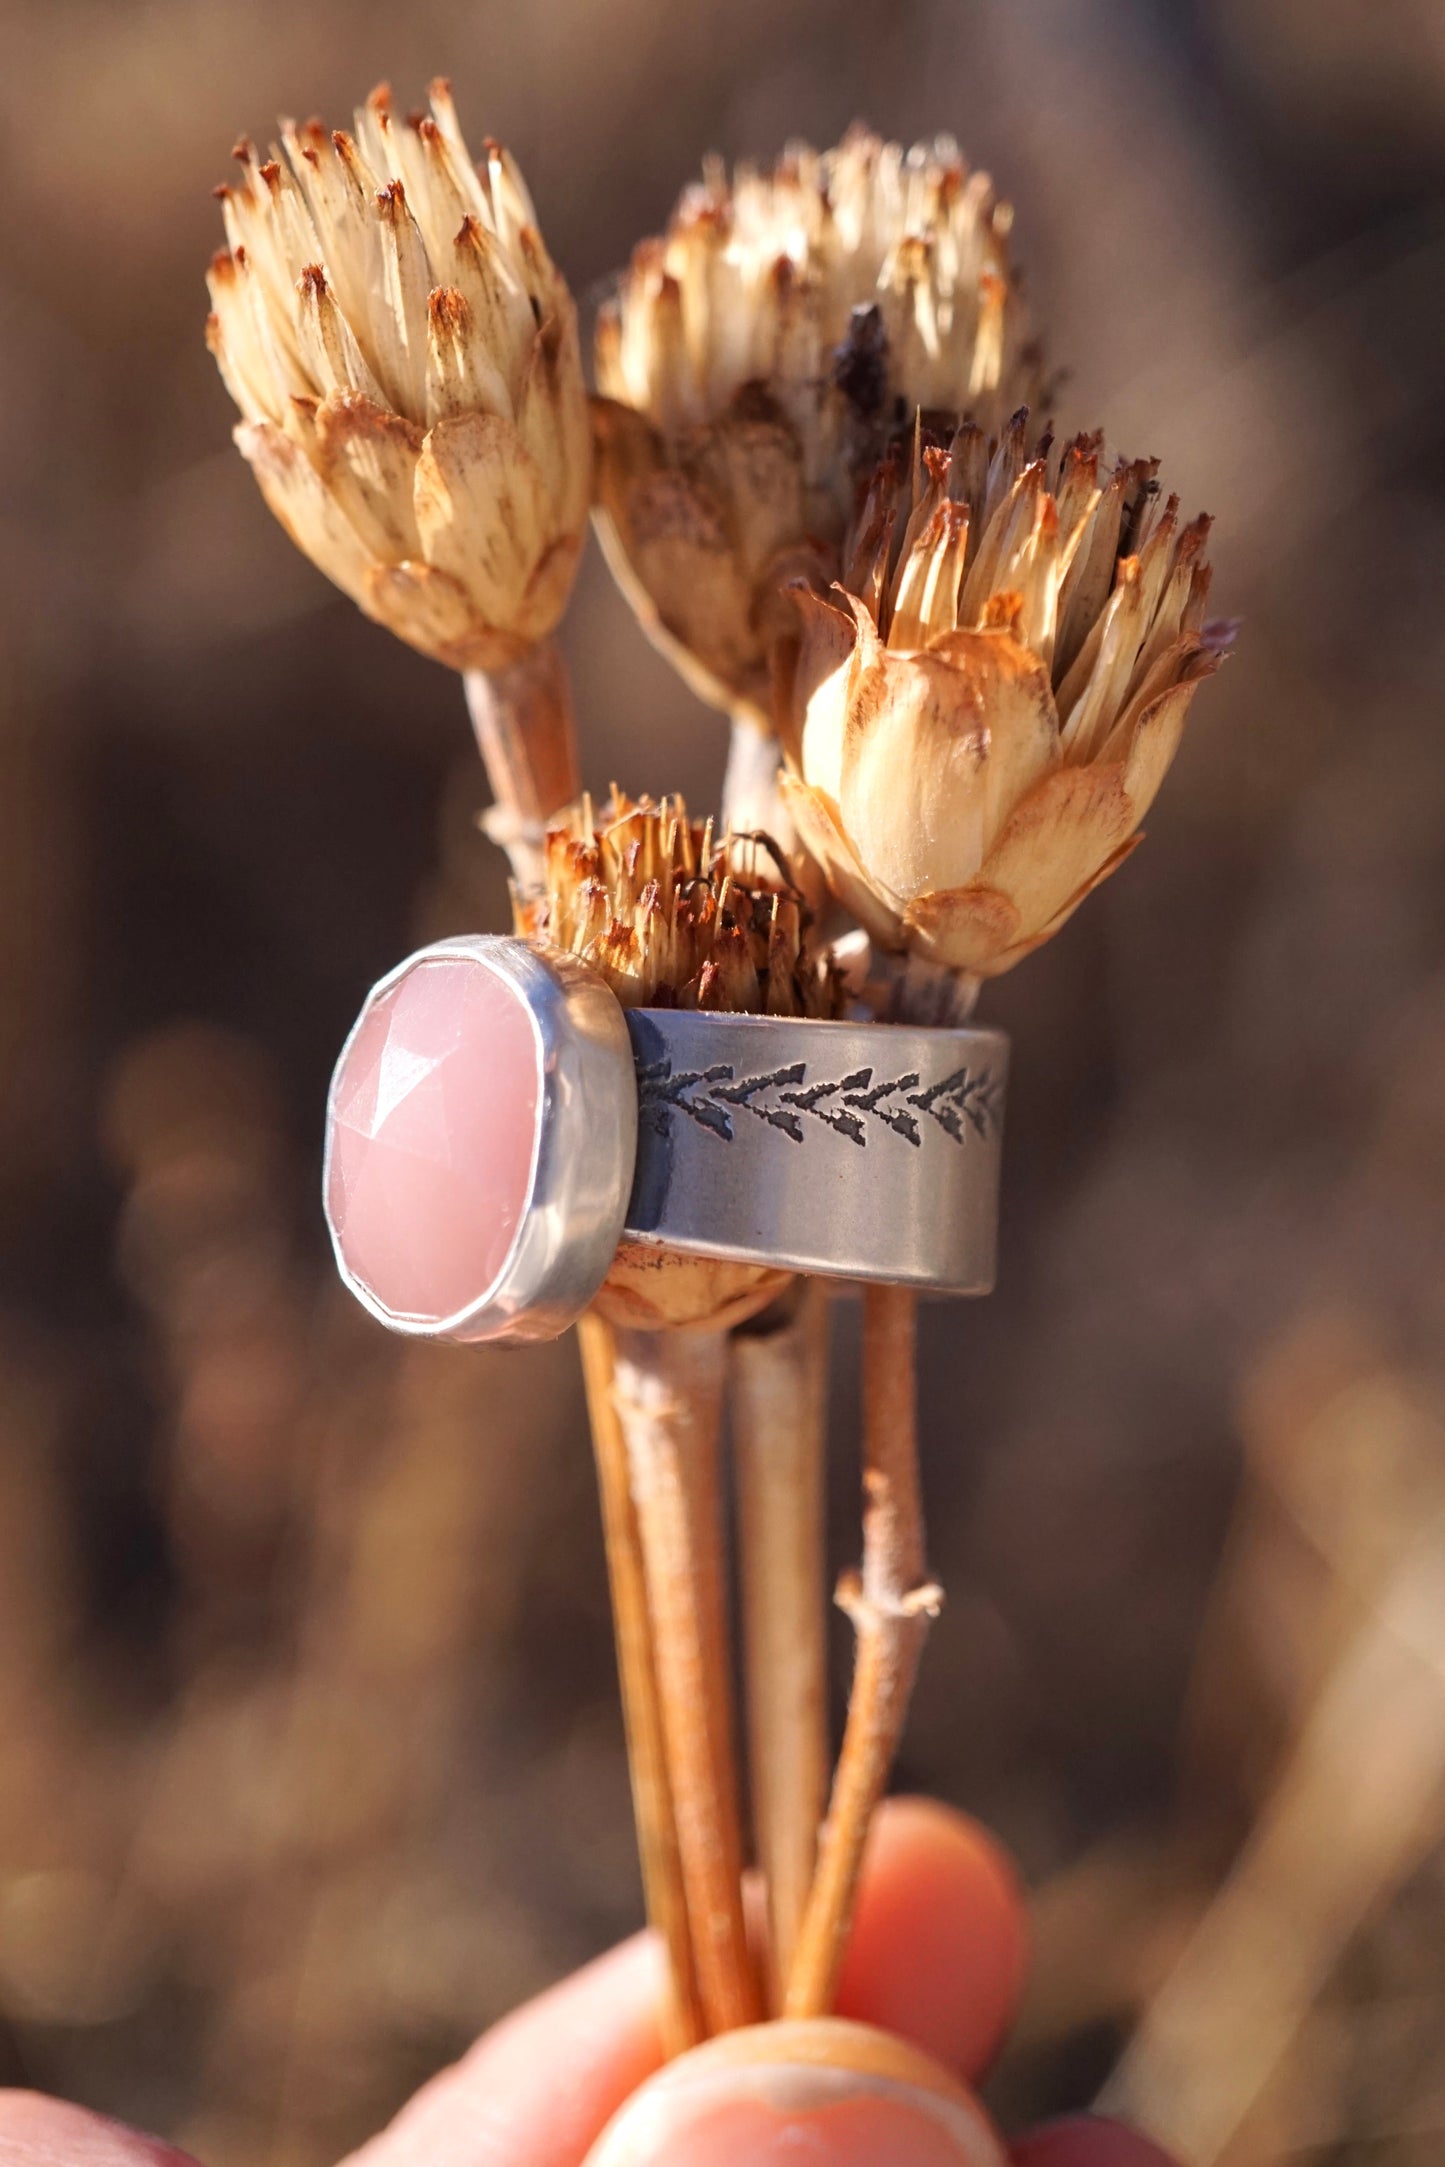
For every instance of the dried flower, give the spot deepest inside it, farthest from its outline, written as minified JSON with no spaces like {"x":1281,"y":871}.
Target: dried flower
{"x":758,"y":357}
{"x":673,"y":916}
{"x":405,"y":358}
{"x":978,"y":720}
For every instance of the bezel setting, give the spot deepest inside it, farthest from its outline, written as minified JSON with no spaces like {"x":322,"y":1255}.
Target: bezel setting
{"x":584,"y":1148}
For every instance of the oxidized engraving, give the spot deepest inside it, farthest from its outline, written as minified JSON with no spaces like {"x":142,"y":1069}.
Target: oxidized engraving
{"x":847,"y":1104}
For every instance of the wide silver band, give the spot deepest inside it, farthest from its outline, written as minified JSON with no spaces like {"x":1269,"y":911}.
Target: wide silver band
{"x":854,"y":1150}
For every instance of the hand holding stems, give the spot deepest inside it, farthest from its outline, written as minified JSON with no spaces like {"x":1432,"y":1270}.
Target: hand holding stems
{"x":937,"y":1960}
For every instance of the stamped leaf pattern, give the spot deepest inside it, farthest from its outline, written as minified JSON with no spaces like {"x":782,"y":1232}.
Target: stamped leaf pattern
{"x":853,"y":1106}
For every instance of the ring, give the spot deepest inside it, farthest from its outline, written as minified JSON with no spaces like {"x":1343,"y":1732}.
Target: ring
{"x":497,"y":1123}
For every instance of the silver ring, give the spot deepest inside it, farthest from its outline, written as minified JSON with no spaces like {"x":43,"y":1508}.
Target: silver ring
{"x":497,"y":1122}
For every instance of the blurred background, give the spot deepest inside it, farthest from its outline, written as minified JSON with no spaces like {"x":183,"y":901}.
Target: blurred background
{"x":310,"y":1757}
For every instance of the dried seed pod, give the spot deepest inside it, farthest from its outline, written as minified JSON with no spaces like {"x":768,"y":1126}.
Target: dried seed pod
{"x":756,"y":359}
{"x":977,"y":719}
{"x":674,"y":916}
{"x":405,"y":358}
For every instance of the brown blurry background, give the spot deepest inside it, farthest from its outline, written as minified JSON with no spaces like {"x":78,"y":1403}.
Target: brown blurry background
{"x":310,"y":1760}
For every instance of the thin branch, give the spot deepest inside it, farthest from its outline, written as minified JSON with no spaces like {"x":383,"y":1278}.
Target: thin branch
{"x":668,"y":1393}
{"x":750,"y":797}
{"x":779,"y":1415}
{"x":523,"y":720}
{"x":890,"y":1605}
{"x":641,"y":1710}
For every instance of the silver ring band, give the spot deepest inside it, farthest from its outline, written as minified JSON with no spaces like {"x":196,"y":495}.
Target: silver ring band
{"x":855,"y":1150}
{"x":858,"y":1150}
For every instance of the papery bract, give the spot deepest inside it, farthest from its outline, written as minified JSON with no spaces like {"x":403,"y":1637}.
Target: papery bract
{"x":978,"y":718}
{"x":405,"y":358}
{"x":755,"y":361}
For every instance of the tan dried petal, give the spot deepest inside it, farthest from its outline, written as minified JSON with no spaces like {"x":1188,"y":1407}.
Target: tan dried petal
{"x":434,"y":613}
{"x":813,"y":715}
{"x":667,"y":542}
{"x":655,"y":1290}
{"x":481,"y":514}
{"x":304,"y":506}
{"x":751,"y":467}
{"x":367,"y":458}
{"x":556,"y":427}
{"x":1052,"y":850}
{"x":821,"y":832}
{"x":934,"y":750}
{"x":1065,"y":838}
{"x":1148,"y":735}
{"x":930,"y":581}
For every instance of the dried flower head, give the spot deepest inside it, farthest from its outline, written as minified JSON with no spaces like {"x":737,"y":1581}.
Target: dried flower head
{"x":757,"y":358}
{"x":671,"y":915}
{"x":405,"y":359}
{"x":674,"y":915}
{"x":978,"y":719}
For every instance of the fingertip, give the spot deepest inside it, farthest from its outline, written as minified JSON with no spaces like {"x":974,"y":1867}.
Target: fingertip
{"x":38,"y":2132}
{"x":818,"y":2089}
{"x":1088,"y":2140}
{"x":858,"y":2132}
{"x":939,"y":1946}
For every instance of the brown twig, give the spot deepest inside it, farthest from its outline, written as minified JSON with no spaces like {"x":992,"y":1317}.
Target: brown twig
{"x":662,"y":1880}
{"x":779,"y":1406}
{"x":668,"y":1392}
{"x":522,"y":716}
{"x":890,"y":1606}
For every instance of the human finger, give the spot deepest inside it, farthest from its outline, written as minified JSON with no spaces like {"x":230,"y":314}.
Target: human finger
{"x":1088,"y":2140}
{"x":938,"y":1951}
{"x":36,"y":2132}
{"x":837,"y":2093}
{"x":940,"y":1943}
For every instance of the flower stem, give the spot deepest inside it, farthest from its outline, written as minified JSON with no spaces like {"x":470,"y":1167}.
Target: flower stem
{"x":779,"y":1406}
{"x":668,"y":1393}
{"x":522,"y":716}
{"x":662,"y":1880}
{"x":890,"y":1605}
{"x":750,"y":798}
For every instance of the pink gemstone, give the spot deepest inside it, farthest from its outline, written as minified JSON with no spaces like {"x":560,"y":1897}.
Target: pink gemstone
{"x":433,"y":1126}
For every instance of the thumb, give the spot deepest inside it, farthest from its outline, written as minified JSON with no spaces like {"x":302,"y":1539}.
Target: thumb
{"x":841,"y":2094}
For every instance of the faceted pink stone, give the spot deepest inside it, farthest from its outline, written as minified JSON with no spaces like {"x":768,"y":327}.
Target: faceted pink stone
{"x":433,"y":1125}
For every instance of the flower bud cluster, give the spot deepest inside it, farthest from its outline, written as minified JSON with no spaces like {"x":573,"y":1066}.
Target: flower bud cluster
{"x":979,"y":715}
{"x":406,"y":363}
{"x":756,"y":360}
{"x":817,"y":482}
{"x":673,"y":915}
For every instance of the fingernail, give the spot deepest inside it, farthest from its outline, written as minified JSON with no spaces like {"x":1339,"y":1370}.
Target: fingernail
{"x":838,"y":2093}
